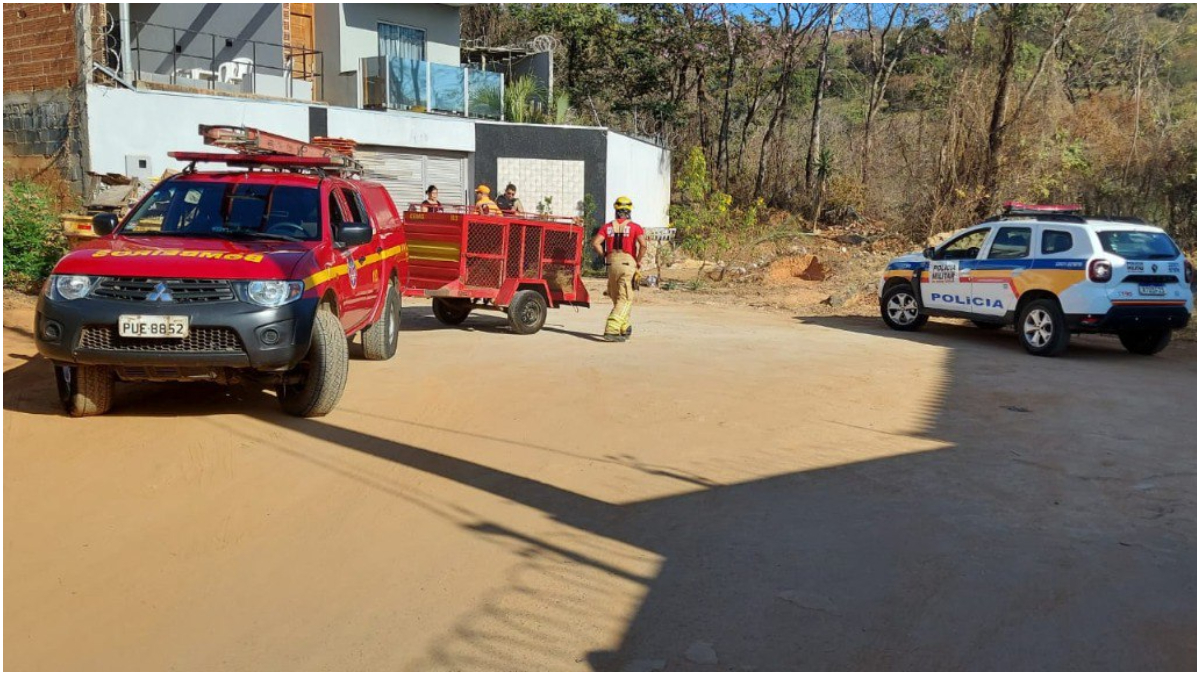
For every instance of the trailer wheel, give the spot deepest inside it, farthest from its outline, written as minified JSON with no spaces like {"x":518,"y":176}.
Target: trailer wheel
{"x":85,"y":390}
{"x":527,"y":312}
{"x":380,"y":338}
{"x":322,"y":373}
{"x":451,"y":311}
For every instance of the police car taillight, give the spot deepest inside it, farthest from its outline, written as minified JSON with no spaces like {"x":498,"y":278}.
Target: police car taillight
{"x":1100,"y":271}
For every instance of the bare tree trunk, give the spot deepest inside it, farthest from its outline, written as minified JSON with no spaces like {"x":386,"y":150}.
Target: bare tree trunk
{"x":998,"y":129}
{"x":814,"y":139}
{"x":722,"y":164}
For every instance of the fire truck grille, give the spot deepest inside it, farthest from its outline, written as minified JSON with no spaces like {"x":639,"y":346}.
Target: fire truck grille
{"x":199,"y":340}
{"x":177,"y":290}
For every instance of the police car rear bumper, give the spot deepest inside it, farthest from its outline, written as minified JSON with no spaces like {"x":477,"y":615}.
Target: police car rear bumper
{"x":1130,"y":318}
{"x":221,"y":334}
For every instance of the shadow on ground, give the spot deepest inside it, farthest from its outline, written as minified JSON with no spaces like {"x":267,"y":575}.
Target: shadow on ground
{"x":1005,"y":550}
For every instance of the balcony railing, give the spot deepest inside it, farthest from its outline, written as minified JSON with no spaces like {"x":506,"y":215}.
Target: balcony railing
{"x":200,"y":60}
{"x":393,"y":83}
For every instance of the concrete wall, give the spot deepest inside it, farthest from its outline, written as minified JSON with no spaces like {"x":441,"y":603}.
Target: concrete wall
{"x":642,"y":172}
{"x":494,"y":140}
{"x":347,"y":32}
{"x":405,"y":130}
{"x":152,"y":123}
{"x":239,"y":22}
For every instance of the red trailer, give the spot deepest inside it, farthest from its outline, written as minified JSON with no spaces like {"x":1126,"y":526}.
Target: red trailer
{"x":520,"y":264}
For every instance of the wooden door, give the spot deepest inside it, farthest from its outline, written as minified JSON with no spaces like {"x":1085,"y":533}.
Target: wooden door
{"x":303,"y":40}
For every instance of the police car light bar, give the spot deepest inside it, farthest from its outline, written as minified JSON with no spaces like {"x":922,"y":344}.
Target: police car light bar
{"x":1018,"y":208}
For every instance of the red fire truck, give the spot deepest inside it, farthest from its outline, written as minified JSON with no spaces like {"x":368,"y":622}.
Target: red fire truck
{"x":520,"y":264}
{"x":259,"y":275}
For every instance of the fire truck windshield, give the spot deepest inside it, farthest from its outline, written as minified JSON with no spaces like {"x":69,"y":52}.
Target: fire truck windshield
{"x":228,"y":210}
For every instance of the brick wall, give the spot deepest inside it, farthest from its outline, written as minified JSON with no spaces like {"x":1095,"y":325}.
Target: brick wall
{"x":39,"y":46}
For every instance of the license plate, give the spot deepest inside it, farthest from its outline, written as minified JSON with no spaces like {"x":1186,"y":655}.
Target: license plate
{"x":152,"y":326}
{"x":1152,"y":290}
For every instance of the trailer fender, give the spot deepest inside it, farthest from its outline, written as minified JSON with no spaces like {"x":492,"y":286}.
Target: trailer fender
{"x":510,"y":287}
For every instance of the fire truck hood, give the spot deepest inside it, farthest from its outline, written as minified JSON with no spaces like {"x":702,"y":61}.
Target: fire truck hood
{"x":189,"y":258}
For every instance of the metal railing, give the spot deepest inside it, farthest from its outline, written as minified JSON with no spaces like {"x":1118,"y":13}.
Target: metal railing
{"x":227,"y":65}
{"x":393,"y":83}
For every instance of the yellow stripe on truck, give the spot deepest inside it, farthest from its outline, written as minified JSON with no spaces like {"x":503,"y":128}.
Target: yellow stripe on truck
{"x":433,"y":250}
{"x":331,"y":273}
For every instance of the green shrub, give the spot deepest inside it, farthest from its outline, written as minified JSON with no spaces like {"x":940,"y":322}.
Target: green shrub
{"x":33,"y":234}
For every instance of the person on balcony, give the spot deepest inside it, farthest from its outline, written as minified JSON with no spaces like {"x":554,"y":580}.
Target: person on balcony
{"x":508,"y":201}
{"x":431,"y":202}
{"x":483,"y":201}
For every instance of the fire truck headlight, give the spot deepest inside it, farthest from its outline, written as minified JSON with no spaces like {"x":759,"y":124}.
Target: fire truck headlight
{"x":271,"y":293}
{"x":69,"y":286}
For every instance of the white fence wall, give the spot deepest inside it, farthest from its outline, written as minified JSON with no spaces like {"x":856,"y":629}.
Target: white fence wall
{"x":642,"y":172}
{"x":152,"y":123}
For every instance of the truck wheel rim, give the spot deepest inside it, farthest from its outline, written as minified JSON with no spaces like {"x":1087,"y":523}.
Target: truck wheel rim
{"x":1039,"y":328}
{"x":529,"y":314}
{"x":902,"y":308}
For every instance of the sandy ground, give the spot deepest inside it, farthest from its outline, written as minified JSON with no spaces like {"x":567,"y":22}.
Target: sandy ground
{"x":733,"y":489}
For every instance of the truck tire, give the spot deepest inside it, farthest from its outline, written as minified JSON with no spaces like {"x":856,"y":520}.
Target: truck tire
{"x":527,"y":312}
{"x":900,"y":309}
{"x":85,"y":390}
{"x":322,"y":372}
{"x":451,"y":311}
{"x":1042,"y":328}
{"x":1146,"y":342}
{"x":380,"y":338}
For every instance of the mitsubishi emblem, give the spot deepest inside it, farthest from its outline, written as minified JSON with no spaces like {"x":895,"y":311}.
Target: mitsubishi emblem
{"x":160,"y":293}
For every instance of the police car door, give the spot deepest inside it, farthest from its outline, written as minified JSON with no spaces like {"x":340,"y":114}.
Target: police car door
{"x":944,"y":289}
{"x":993,"y":285}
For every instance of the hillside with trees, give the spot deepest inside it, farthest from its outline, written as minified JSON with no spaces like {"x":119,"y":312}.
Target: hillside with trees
{"x":923,"y":117}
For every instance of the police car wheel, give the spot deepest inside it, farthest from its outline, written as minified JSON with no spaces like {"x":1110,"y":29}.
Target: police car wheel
{"x":1145,"y":342}
{"x":380,"y":338}
{"x":85,"y":390}
{"x":900,"y":310}
{"x":987,"y":325}
{"x":1042,"y":328}
{"x":527,"y":312}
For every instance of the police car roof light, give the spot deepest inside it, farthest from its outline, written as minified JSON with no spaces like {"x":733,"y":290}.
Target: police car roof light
{"x":1019,"y":208}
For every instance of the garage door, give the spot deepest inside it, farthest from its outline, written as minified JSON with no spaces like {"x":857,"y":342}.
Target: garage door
{"x":406,"y":173}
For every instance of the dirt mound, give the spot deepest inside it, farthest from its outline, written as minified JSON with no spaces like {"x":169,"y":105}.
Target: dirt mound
{"x":793,"y":268}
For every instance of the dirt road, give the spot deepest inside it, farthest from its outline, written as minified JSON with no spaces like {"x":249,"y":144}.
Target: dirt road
{"x":730,"y":490}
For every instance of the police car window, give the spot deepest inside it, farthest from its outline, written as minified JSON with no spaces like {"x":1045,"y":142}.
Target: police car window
{"x":1138,"y":245}
{"x":965,"y":247}
{"x":1011,"y":242}
{"x":1056,"y":241}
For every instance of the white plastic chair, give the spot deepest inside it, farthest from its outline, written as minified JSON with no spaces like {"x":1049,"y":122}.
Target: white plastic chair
{"x":236,"y":70}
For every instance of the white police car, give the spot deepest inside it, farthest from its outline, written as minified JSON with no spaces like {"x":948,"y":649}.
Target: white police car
{"x":1048,"y":272}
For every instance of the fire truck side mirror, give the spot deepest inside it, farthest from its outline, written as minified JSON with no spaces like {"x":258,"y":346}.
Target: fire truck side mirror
{"x":103,"y":224}
{"x":353,"y":234}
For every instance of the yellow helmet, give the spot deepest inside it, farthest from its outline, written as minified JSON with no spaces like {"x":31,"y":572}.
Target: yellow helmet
{"x":623,"y":204}
{"x":484,"y":189}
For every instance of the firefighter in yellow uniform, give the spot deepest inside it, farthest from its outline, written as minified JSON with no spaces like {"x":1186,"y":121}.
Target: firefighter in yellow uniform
{"x":621,"y":243}
{"x":483,"y":201}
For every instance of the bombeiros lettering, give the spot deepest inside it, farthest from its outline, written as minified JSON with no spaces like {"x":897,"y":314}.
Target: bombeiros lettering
{"x":207,"y":255}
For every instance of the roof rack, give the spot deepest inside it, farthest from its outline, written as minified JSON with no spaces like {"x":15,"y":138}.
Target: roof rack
{"x":254,"y":147}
